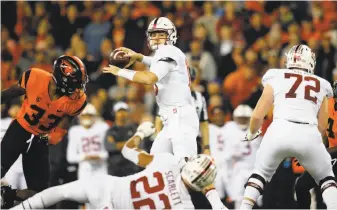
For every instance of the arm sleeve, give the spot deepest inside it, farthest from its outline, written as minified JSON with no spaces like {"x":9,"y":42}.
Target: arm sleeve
{"x":203,"y":114}
{"x":147,"y":60}
{"x":162,"y":67}
{"x":73,"y":155}
{"x":24,"y":79}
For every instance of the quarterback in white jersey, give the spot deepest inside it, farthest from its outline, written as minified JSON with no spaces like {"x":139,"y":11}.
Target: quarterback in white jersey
{"x":299,"y":124}
{"x":169,"y":74}
{"x":240,"y":156}
{"x":86,"y":144}
{"x":14,"y":176}
{"x":163,"y":184}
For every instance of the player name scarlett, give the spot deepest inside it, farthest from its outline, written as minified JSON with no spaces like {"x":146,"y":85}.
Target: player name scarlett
{"x":174,"y":194}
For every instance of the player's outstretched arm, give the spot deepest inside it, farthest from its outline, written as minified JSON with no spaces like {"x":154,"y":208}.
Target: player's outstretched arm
{"x":323,"y":116}
{"x":262,"y":108}
{"x":135,"y":57}
{"x":157,"y":71}
{"x":12,"y":92}
{"x":74,"y":191}
{"x":213,"y":197}
{"x":131,"y":151}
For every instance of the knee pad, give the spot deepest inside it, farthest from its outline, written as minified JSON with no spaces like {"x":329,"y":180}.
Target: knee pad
{"x":327,"y":182}
{"x":256,"y":181}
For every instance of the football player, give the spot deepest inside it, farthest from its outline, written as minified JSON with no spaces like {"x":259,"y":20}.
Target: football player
{"x":300,"y":118}
{"x":217,"y":148}
{"x":51,"y":102}
{"x":164,"y":184}
{"x":240,"y":156}
{"x":169,"y":74}
{"x":201,"y":109}
{"x":306,"y":182}
{"x":86,"y":145}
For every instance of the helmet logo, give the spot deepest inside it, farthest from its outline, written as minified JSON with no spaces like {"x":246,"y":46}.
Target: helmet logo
{"x":66,"y":68}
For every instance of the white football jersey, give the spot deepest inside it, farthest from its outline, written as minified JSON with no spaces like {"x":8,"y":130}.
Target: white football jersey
{"x":239,"y":153}
{"x":159,"y":186}
{"x":298,"y":94}
{"x":86,"y":142}
{"x":217,"y":144}
{"x":174,"y":88}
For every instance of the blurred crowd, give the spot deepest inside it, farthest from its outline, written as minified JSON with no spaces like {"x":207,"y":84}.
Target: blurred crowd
{"x":231,"y":44}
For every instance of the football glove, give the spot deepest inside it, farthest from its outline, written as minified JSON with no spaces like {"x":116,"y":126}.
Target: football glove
{"x":146,"y":129}
{"x":251,"y":136}
{"x":8,"y":196}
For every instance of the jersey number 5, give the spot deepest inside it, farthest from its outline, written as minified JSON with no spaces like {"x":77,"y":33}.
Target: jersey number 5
{"x":299,"y":79}
{"x":135,"y":194}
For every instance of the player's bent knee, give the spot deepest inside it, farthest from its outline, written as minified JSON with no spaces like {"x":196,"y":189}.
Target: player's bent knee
{"x":327,"y":182}
{"x":256,"y":181}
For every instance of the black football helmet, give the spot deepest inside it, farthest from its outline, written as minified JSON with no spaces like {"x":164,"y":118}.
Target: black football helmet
{"x":70,"y":75}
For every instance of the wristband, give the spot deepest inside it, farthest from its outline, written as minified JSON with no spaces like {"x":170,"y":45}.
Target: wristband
{"x":140,"y":135}
{"x":206,"y":147}
{"x":127,"y":74}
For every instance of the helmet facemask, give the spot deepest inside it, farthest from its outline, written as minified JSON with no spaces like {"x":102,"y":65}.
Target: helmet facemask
{"x":70,"y":82}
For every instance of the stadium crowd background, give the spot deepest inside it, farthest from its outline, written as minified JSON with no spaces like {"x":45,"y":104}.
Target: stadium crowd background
{"x":231,"y":44}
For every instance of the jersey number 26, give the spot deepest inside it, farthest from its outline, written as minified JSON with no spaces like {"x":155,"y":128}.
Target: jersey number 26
{"x":299,"y":79}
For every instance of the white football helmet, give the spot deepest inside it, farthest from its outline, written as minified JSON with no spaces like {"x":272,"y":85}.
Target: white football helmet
{"x":301,"y":57}
{"x":241,"y":115}
{"x":88,"y":115}
{"x":162,"y":24}
{"x":243,"y":111}
{"x":199,"y":172}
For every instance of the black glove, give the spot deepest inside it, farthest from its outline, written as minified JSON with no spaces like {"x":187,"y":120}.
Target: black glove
{"x":8,"y":196}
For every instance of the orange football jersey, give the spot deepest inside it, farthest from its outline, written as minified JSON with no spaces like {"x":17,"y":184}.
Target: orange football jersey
{"x":331,"y":131}
{"x":38,"y":113}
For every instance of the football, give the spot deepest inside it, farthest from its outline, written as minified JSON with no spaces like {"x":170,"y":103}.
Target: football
{"x":117,"y":58}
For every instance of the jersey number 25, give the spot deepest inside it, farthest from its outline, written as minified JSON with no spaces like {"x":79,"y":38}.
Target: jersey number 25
{"x":299,"y":79}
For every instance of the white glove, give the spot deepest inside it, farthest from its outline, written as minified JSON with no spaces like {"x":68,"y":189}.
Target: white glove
{"x":251,"y":136}
{"x":145,"y":129}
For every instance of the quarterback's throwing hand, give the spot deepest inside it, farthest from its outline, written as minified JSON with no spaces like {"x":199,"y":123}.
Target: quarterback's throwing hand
{"x":251,"y":136}
{"x":132,"y":55}
{"x":111,"y":69}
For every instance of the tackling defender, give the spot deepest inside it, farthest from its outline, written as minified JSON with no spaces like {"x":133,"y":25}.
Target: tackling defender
{"x":51,"y":102}
{"x":163,"y":184}
{"x":300,"y":121}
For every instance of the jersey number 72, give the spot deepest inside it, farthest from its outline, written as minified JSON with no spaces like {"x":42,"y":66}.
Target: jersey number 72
{"x":299,"y":79}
